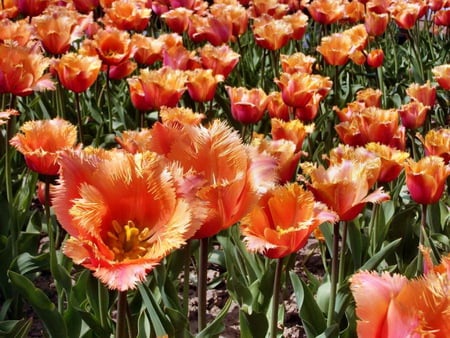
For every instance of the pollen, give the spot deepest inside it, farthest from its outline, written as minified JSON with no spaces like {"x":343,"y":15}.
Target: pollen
{"x":128,"y":241}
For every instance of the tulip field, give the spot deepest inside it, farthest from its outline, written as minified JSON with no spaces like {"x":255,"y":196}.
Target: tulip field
{"x":291,"y":158}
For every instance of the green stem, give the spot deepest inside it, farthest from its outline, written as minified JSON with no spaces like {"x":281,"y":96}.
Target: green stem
{"x":101,"y":302}
{"x":201,"y":290}
{"x":334,"y":275}
{"x":122,"y":305}
{"x":187,"y":264}
{"x":380,"y":77}
{"x":422,"y":234}
{"x":343,"y":251}
{"x":108,"y":101}
{"x":9,"y":130}
{"x":79,"y":118}
{"x":276,"y":298}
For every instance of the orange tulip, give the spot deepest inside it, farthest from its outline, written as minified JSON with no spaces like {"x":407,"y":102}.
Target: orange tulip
{"x":326,"y":11}
{"x":40,"y":141}
{"x":234,"y":175}
{"x":123,"y":212}
{"x":413,"y":114}
{"x":405,"y":14}
{"x":375,"y":58}
{"x":32,"y":7}
{"x":309,"y":112}
{"x":393,"y":306}
{"x":273,"y":8}
{"x":350,"y":133}
{"x":247,"y":105}
{"x":283,"y":220}
{"x":77,"y":72}
{"x":235,"y":13}
{"x":392,"y":161}
{"x":344,"y":187}
{"x":127,"y":15}
{"x":297,"y":62}
{"x":157,"y":88}
{"x":294,"y":131}
{"x":276,"y":106}
{"x":214,"y":29}
{"x":299,"y":24}
{"x":376,"y":23}
{"x":177,"y":19}
{"x":437,"y":142}
{"x":9,"y":9}
{"x":442,"y":75}
{"x":378,"y":125}
{"x":22,"y":71}
{"x":57,"y":27}
{"x":146,"y":50}
{"x":17,"y":31}
{"x":5,"y":115}
{"x":298,"y":89}
{"x":178,"y":57}
{"x":134,"y":141}
{"x":284,"y":152}
{"x":202,"y":84}
{"x":221,"y":59}
{"x":442,"y":17}
{"x":353,"y":12}
{"x":425,"y":179}
{"x":370,"y":97}
{"x":121,"y":70}
{"x":85,"y":6}
{"x":113,"y":46}
{"x":271,"y":34}
{"x":425,"y":93}
{"x":336,"y":49}
{"x":353,"y":108}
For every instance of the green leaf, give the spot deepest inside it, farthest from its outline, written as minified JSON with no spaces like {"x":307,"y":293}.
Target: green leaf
{"x":310,"y":314}
{"x":376,"y":259}
{"x":27,"y":263}
{"x":216,"y":326}
{"x":15,"y":328}
{"x":143,"y":325}
{"x":253,"y":325}
{"x":159,"y":322}
{"x":41,"y":304}
{"x":355,"y":243}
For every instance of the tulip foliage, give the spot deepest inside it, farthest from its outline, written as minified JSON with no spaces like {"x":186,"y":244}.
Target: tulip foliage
{"x":276,"y":152}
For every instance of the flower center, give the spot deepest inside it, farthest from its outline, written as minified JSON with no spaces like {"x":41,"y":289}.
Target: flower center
{"x":128,"y":242}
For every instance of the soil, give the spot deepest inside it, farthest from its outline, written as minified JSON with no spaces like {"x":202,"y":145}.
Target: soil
{"x":308,"y":257}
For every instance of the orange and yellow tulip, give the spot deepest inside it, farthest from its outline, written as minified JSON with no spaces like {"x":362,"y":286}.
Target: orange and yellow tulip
{"x":247,"y":105}
{"x":40,"y":141}
{"x":283,"y":220}
{"x":127,"y":15}
{"x":437,"y":142}
{"x":425,"y":93}
{"x":413,"y":114}
{"x":442,"y":75}
{"x":202,"y":84}
{"x":392,"y":161}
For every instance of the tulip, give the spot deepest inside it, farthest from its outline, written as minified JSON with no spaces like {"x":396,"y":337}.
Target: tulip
{"x":375,"y":58}
{"x":247,"y":105}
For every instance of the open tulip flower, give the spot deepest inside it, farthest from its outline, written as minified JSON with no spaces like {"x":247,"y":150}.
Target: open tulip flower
{"x":437,"y":142}
{"x":426,"y":178}
{"x":41,"y":141}
{"x":344,"y":187}
{"x":123,"y":212}
{"x":283,"y":220}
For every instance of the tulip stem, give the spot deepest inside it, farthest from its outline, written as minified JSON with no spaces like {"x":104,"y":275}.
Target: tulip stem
{"x":343,"y":250}
{"x":334,"y":275}
{"x":121,"y":315}
{"x":187,"y":263}
{"x":79,"y":119}
{"x":422,"y":234}
{"x":108,"y":101}
{"x":201,"y":290}
{"x":276,"y":298}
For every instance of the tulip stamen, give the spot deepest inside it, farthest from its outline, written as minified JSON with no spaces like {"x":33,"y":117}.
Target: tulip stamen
{"x":128,"y":241}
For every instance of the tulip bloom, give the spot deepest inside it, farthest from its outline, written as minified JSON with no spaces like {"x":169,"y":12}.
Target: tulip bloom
{"x":271,"y":34}
{"x":393,"y":306}
{"x":6,"y":115}
{"x":392,"y":161}
{"x":113,"y":46}
{"x":425,"y":93}
{"x":221,"y":60}
{"x":146,"y":50}
{"x":376,"y":23}
{"x":375,"y":58}
{"x":405,"y":14}
{"x":157,"y":88}
{"x":177,"y":19}
{"x":283,"y":220}
{"x":22,"y":71}
{"x":58,"y":27}
{"x":370,"y":97}
{"x":442,"y":75}
{"x":40,"y":141}
{"x":127,"y":15}
{"x":336,"y":49}
{"x":217,"y":30}
{"x":294,"y":131}
{"x":413,"y":114}
{"x":344,"y":187}
{"x":233,"y":175}
{"x":272,"y":8}
{"x":235,"y":13}
{"x":299,"y":24}
{"x":32,"y":7}
{"x":326,"y":11}
{"x":276,"y":106}
{"x":297,"y":62}
{"x":437,"y":142}
{"x":247,"y":105}
{"x":425,"y":179}
{"x":18,"y":31}
{"x":123,"y":213}
{"x":77,"y":72}
{"x":202,"y":84}
{"x":298,"y":89}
